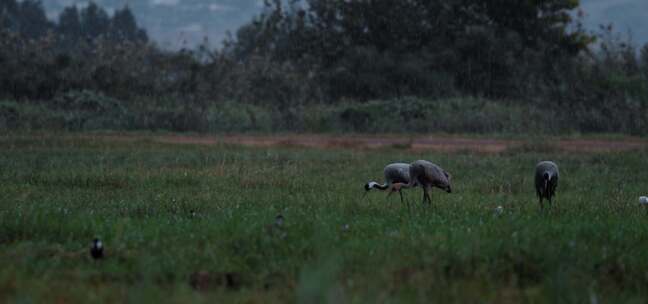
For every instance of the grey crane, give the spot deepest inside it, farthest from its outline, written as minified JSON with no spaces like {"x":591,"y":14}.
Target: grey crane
{"x":429,"y":175}
{"x":396,"y":175}
{"x":546,"y":180}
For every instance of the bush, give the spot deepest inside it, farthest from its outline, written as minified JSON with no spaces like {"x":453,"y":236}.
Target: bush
{"x":236,"y":117}
{"x":454,"y":115}
{"x":87,"y":110}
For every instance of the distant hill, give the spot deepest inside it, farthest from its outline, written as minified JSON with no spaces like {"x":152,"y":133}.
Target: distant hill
{"x":174,"y":23}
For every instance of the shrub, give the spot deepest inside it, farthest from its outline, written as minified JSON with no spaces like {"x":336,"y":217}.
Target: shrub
{"x":237,"y":117}
{"x":88,"y":110}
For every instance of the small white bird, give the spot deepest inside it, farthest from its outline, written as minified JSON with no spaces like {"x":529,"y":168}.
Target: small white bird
{"x":499,"y":210}
{"x":346,"y":227}
{"x":643,"y":200}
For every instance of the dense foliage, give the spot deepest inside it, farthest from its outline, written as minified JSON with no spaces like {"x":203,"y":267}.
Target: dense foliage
{"x":298,"y":55}
{"x":381,"y":48}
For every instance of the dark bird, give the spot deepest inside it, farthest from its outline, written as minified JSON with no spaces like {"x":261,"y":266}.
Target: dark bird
{"x":546,"y":180}
{"x":428,"y":175}
{"x":96,"y":250}
{"x":279,"y":220}
{"x":396,"y":176}
{"x":277,"y":227}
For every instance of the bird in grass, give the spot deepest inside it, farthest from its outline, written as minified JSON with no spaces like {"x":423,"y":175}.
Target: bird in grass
{"x":276,"y":229}
{"x":396,"y":176}
{"x":428,"y":175}
{"x":499,"y":210}
{"x":643,"y":200}
{"x":96,"y":249}
{"x":279,"y":220}
{"x":546,"y":181}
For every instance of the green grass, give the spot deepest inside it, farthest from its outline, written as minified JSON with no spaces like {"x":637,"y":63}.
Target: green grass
{"x":168,"y":212}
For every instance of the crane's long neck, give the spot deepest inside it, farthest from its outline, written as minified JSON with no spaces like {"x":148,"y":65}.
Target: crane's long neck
{"x":374,"y":185}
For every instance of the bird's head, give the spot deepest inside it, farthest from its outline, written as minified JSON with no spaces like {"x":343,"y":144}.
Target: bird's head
{"x":368,"y":186}
{"x":96,"y":243}
{"x":643,"y":200}
{"x":279,"y":220}
{"x":448,"y":188}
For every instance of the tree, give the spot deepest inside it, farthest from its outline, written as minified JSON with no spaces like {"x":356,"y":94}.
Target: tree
{"x":8,"y":9}
{"x":643,"y":60}
{"x":69,"y":24}
{"x":32,"y":21}
{"x":124,"y":27}
{"x":8,"y":5}
{"x":94,"y":21}
{"x":483,"y":45}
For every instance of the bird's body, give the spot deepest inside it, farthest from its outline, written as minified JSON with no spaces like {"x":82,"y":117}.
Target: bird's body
{"x":499,"y":210}
{"x":546,"y":180}
{"x":279,"y":220}
{"x":96,"y":249}
{"x":429,"y":175}
{"x":643,"y":200}
{"x":277,"y":228}
{"x":396,"y":175}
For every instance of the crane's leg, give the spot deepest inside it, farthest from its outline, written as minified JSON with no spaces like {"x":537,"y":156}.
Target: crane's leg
{"x":392,"y":191}
{"x":423,"y":201}
{"x":389,"y":194}
{"x":403,"y":200}
{"x":426,"y":196}
{"x":541,"y":205}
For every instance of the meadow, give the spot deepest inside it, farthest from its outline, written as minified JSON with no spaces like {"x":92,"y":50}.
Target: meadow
{"x":196,"y":223}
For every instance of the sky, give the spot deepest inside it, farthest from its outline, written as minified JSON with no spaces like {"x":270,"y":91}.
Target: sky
{"x":177,"y":23}
{"x":628,"y":17}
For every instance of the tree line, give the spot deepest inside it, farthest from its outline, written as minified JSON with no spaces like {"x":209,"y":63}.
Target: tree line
{"x":28,"y":18}
{"x":303,"y":52}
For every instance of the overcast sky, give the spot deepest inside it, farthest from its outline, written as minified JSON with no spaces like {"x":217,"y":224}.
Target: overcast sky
{"x":173,"y":23}
{"x":627,"y":16}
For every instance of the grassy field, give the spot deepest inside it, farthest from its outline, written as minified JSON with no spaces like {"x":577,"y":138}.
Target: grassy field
{"x":195,"y":223}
